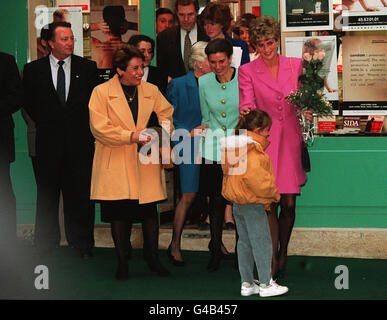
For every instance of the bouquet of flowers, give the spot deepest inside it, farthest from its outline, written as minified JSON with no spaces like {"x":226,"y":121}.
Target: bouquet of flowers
{"x":311,"y":95}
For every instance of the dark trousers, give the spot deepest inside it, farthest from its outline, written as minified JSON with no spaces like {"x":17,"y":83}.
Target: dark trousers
{"x":7,"y":206}
{"x":61,"y":169}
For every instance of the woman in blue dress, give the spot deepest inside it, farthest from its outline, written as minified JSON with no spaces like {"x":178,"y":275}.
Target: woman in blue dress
{"x":183,"y":94}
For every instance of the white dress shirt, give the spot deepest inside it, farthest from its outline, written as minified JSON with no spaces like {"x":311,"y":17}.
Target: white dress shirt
{"x":67,"y":70}
{"x":193,"y":36}
{"x":146,"y":73}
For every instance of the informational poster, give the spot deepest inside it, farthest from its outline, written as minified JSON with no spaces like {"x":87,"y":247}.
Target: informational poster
{"x":364,"y":15}
{"x":111,"y":26}
{"x":306,"y":15}
{"x":364,"y":75}
{"x":84,"y":4}
{"x":297,"y":46}
{"x":45,"y":15}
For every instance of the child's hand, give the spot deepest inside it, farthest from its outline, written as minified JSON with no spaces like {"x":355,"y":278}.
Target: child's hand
{"x":277,"y":198}
{"x":243,"y":112}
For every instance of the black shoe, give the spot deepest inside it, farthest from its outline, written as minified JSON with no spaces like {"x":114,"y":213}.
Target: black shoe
{"x":230,"y":226}
{"x":172,"y":259}
{"x":86,"y":254}
{"x":228,"y":256}
{"x":214,"y":263}
{"x":158,"y":268}
{"x":204,"y":226}
{"x":122,"y":273}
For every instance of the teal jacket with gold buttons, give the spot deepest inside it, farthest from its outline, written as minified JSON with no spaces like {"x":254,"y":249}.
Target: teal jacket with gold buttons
{"x":219,"y":103}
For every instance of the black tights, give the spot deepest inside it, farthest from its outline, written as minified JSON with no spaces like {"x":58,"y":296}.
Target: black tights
{"x":217,"y":206}
{"x":281,"y":229}
{"x":121,"y":237}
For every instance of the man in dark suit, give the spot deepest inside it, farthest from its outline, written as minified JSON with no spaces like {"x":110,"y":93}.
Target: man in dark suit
{"x":57,"y":90}
{"x":172,"y":42}
{"x":10,"y":102}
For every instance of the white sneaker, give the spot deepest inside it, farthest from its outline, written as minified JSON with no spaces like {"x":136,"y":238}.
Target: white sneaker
{"x":248,"y":289}
{"x":273,"y":289}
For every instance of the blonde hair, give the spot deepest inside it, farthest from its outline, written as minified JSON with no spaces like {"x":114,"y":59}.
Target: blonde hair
{"x":264,"y":28}
{"x":197,"y":54}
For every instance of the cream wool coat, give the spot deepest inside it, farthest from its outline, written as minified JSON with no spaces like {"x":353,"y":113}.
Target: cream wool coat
{"x":117,"y":171}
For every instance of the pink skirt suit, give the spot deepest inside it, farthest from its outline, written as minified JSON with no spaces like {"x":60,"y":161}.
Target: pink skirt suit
{"x":258,"y":89}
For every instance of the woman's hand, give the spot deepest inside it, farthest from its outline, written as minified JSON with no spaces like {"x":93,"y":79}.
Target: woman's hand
{"x":199,"y":131}
{"x":141,"y":137}
{"x":308,"y":114}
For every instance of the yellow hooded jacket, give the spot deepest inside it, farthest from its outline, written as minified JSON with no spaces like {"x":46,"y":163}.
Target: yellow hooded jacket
{"x":247,"y":171}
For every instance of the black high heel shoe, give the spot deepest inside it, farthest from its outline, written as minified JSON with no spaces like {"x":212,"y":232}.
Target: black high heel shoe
{"x":172,"y":259}
{"x":122,"y":273}
{"x":214,"y":263}
{"x":158,"y":268}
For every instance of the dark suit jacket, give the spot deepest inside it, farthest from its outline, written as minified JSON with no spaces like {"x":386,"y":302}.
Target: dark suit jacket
{"x":158,"y":78}
{"x":169,"y":57}
{"x":56,"y":124}
{"x":10,"y":102}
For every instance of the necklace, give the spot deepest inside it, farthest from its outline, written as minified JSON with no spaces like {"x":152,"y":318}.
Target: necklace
{"x":130,"y":98}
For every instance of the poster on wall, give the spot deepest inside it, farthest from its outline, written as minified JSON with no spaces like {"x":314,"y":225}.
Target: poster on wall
{"x":298,"y":46}
{"x":364,"y":75}
{"x":306,"y":15}
{"x":45,"y":15}
{"x":110,"y":26}
{"x":84,"y":4}
{"x":364,"y":15}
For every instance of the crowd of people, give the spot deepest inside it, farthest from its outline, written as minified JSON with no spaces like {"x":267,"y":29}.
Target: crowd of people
{"x":218,"y":92}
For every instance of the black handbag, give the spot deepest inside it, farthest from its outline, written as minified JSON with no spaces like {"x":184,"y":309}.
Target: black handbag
{"x":305,"y":157}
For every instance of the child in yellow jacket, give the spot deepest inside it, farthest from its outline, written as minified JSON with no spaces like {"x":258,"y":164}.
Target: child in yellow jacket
{"x":248,"y":182}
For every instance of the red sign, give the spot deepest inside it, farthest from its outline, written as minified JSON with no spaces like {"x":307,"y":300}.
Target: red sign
{"x":326,"y":126}
{"x":256,"y":10}
{"x":84,"y":7}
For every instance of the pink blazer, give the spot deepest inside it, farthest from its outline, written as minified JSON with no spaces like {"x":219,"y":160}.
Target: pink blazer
{"x":258,"y":89}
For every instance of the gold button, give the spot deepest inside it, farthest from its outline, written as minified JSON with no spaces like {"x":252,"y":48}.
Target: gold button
{"x":223,"y":101}
{"x":224,"y":128}
{"x":223,"y":115}
{"x":223,"y":87}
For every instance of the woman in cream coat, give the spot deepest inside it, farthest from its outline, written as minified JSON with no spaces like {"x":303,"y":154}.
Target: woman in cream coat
{"x":127,"y":187}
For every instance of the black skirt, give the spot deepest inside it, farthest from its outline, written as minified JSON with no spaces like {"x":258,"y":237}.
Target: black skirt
{"x":126,"y":210}
{"x":211,"y":178}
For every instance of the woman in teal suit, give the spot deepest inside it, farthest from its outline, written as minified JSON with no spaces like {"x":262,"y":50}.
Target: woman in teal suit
{"x":219,"y":102}
{"x":183,"y":94}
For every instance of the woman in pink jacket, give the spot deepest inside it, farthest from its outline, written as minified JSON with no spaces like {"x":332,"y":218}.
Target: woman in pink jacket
{"x":264,"y":83}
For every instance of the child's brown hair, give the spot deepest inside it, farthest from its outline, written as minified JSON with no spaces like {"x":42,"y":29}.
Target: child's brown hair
{"x":254,"y":119}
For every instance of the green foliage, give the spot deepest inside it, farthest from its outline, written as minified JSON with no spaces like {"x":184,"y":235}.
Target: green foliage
{"x":311,"y":95}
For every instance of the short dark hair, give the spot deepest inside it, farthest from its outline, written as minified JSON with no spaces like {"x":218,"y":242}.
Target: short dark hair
{"x":164,"y":11}
{"x":218,"y":13}
{"x":219,"y":45}
{"x":137,"y":38}
{"x":187,"y":3}
{"x":124,"y":54}
{"x":52,"y":27}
